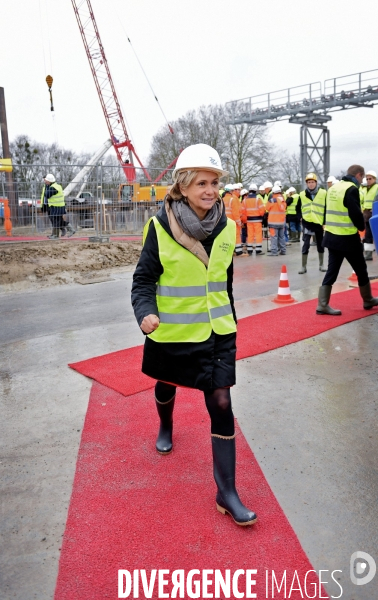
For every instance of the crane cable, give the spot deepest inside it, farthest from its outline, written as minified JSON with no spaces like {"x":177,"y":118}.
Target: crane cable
{"x":49,"y":78}
{"x":145,"y":74}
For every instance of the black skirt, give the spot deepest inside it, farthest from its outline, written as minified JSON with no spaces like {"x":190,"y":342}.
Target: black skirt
{"x":200,"y":365}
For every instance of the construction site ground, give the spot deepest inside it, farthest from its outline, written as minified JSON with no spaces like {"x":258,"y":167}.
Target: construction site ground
{"x":316,"y":448}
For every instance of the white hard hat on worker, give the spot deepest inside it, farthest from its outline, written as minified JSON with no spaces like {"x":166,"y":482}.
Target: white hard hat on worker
{"x":199,"y":157}
{"x":50,"y":178}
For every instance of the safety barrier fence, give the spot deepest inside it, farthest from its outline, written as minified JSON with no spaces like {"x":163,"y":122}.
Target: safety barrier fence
{"x":103,"y":204}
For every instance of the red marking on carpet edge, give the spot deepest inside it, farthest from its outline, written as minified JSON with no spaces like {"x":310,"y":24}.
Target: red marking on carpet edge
{"x":260,"y":333}
{"x":132,"y":508}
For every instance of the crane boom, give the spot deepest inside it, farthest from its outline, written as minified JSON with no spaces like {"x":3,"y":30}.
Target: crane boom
{"x":122,"y":144}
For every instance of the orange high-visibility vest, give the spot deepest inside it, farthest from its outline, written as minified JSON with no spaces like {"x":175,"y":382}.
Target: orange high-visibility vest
{"x":232,"y":206}
{"x":276,"y":210}
{"x":253,"y":209}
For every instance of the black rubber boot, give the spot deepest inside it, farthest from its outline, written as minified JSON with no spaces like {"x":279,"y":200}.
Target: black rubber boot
{"x":323,"y":308}
{"x":369,"y":300}
{"x":55,"y":234}
{"x":165,"y":412}
{"x":304,"y":264}
{"x":227,"y":498}
{"x":321,"y":260}
{"x":70,"y":229}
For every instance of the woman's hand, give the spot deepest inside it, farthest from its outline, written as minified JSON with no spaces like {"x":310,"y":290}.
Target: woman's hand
{"x":150,"y":323}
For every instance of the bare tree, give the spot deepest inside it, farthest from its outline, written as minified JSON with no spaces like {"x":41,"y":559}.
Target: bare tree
{"x":289,"y":170}
{"x":245,"y":149}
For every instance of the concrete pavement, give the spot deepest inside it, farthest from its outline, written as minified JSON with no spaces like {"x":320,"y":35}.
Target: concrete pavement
{"x":312,"y":426}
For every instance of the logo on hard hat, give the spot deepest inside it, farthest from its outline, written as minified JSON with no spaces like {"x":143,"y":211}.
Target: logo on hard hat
{"x":213,"y":160}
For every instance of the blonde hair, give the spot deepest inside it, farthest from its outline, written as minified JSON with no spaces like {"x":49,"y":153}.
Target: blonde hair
{"x":184,"y":179}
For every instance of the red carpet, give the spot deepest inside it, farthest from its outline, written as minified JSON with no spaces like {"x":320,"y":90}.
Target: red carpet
{"x":256,"y":334}
{"x":134,"y":509}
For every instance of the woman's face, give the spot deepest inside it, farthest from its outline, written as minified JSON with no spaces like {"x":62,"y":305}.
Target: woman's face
{"x":202,"y":193}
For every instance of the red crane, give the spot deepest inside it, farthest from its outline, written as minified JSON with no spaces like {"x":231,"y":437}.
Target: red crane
{"x":122,"y":144}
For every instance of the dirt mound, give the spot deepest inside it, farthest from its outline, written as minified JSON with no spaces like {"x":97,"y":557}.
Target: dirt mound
{"x":63,"y":262}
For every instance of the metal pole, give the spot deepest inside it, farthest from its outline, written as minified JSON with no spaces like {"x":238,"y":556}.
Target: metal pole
{"x":6,"y":154}
{"x":101,"y":205}
{"x":97,"y":215}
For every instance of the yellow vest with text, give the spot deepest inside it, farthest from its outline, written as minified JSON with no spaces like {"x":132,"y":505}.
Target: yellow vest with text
{"x":338,"y":220}
{"x":369,"y":196}
{"x":192,"y":300}
{"x":313,"y":210}
{"x":57,"y":199}
{"x":292,"y":209}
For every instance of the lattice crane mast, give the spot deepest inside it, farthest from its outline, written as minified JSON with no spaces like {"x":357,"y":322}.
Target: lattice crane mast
{"x":122,"y":144}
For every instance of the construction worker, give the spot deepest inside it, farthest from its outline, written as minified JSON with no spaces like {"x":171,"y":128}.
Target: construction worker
{"x":232,"y":207}
{"x":311,"y":208}
{"x":243,"y":231}
{"x":291,"y":214}
{"x":261,"y":193}
{"x":344,"y":219}
{"x":253,"y":210}
{"x":153,"y":193}
{"x":267,"y":190}
{"x":276,"y":208}
{"x":235,"y":216}
{"x":331,"y":181}
{"x":369,"y":196}
{"x":52,"y":202}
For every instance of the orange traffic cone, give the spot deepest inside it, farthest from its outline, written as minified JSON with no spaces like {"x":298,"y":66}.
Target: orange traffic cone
{"x":284,"y":296}
{"x":353,"y":277}
{"x":353,"y":280}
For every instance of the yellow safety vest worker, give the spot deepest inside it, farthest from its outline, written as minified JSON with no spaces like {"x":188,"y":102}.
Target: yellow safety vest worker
{"x":57,"y":199}
{"x":361,"y":191}
{"x":292,"y":209}
{"x":192,"y":300}
{"x":338,"y":220}
{"x":313,"y":210}
{"x":369,"y":196}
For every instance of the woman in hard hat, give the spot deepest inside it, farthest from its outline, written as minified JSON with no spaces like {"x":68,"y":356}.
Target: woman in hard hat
{"x":182,"y":299}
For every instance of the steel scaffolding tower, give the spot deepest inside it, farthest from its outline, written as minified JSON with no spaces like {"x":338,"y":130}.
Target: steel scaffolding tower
{"x":309,"y":106}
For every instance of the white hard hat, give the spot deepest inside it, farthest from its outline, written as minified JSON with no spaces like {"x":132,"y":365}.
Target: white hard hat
{"x":199,"y":156}
{"x":276,"y":189}
{"x":291,"y":190}
{"x":364,"y":182}
{"x":50,"y":177}
{"x":262,"y":188}
{"x":228,"y":187}
{"x":238,"y":186}
{"x":243,"y":191}
{"x":331,"y":179}
{"x":253,"y":187}
{"x":278,"y":183}
{"x":372,"y":173}
{"x":268,"y":184}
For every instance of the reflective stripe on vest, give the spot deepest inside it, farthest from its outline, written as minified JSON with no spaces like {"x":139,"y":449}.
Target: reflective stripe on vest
{"x":57,"y":199}
{"x":338,"y":220}
{"x":369,"y":196}
{"x":292,"y":209}
{"x":192,"y":300}
{"x":313,"y":210}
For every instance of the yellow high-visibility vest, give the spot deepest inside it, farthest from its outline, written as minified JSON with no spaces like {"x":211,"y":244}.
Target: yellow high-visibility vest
{"x":57,"y":199}
{"x":192,"y":300}
{"x":338,"y":220}
{"x":313,"y":210}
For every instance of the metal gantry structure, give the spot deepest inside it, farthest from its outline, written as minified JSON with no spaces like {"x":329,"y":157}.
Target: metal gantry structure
{"x":309,"y":106}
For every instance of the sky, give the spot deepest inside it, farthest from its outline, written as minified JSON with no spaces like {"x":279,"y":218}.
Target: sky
{"x":195,"y":52}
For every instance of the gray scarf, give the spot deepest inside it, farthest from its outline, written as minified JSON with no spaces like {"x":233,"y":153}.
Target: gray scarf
{"x":191,"y":223}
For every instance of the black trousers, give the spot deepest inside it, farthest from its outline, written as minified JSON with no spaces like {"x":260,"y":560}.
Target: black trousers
{"x":356,"y":260}
{"x":307,"y":239}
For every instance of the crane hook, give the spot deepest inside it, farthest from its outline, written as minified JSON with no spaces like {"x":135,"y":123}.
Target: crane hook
{"x":49,"y":81}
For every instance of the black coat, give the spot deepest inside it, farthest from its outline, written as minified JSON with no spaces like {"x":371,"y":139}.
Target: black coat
{"x":201,"y":365}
